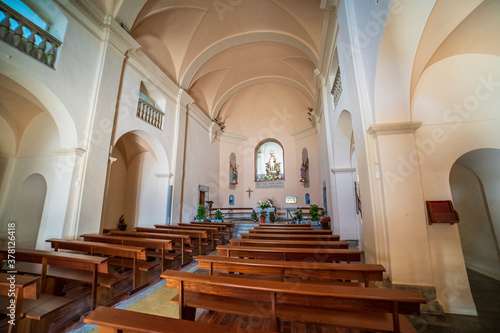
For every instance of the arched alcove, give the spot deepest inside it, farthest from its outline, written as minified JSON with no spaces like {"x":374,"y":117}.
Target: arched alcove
{"x":137,"y":183}
{"x":28,"y":211}
{"x":475,"y":184}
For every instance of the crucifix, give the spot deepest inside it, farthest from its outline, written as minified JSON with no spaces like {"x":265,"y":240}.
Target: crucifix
{"x":249,"y":191}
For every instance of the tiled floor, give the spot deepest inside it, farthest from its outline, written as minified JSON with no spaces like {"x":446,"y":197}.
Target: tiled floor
{"x":486,"y":294}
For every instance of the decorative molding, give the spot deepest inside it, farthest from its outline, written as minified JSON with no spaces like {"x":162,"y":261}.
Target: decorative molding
{"x":148,"y":69}
{"x":320,"y":78}
{"x":343,"y":170}
{"x":195,"y":113}
{"x":233,"y":138}
{"x":329,"y":4}
{"x":304,"y":132}
{"x":70,"y":151}
{"x":394,"y":128}
{"x":92,"y":19}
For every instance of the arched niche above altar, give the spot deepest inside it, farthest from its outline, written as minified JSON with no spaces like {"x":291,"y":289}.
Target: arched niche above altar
{"x":269,"y":161}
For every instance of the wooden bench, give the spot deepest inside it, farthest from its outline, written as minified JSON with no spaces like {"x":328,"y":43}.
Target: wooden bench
{"x":124,"y":321}
{"x":258,"y":227}
{"x":194,"y":234}
{"x":140,"y":269}
{"x":284,"y":225}
{"x":371,"y":309}
{"x":289,"y":243}
{"x":293,"y":269}
{"x":212,"y":233}
{"x":65,"y":266}
{"x":183,"y":240}
{"x":290,"y":253}
{"x":163,"y":245}
{"x":291,"y":237}
{"x":226,"y":225}
{"x":291,"y":232}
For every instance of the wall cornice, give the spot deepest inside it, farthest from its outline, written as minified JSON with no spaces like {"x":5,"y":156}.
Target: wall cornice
{"x":195,"y":113}
{"x":233,"y":138}
{"x":394,"y":128}
{"x":304,"y":132}
{"x":148,"y":69}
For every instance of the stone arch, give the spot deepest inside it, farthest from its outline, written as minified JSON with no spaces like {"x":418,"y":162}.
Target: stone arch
{"x":343,"y":136}
{"x":474,"y":182}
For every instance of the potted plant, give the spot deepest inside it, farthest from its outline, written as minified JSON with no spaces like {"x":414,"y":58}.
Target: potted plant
{"x":314,"y":212}
{"x":263,"y":215}
{"x":217,"y":216}
{"x":298,"y":215}
{"x":200,"y":214}
{"x":272,"y":217}
{"x":254,"y":216}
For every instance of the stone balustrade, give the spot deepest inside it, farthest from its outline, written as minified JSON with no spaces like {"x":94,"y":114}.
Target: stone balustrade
{"x":337,"y":88}
{"x":44,"y":48}
{"x":150,"y":114}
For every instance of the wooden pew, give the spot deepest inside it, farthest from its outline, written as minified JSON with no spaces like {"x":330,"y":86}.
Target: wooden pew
{"x":227,"y":226}
{"x":290,"y":237}
{"x":293,"y":269}
{"x":370,"y":309}
{"x":283,"y":225}
{"x":221,"y":229}
{"x":211,"y":232}
{"x":139,"y":268}
{"x":163,"y":245}
{"x":176,"y":238}
{"x":290,"y":253}
{"x":291,"y":232}
{"x":289,"y":243}
{"x":192,"y":233}
{"x":66,"y":266}
{"x":124,"y":321}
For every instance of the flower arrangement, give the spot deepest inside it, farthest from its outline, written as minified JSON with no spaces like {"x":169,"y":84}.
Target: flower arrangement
{"x":264,"y":204}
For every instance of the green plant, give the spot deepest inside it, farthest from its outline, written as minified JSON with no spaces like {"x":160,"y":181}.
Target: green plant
{"x":254,"y":216}
{"x":218,"y":214}
{"x":263,"y":213}
{"x":272,"y":217}
{"x":200,"y":214}
{"x":323,"y":213}
{"x":314,"y":212}
{"x":298,"y":215}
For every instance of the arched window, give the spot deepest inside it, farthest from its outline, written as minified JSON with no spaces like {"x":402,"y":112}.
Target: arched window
{"x":269,"y":161}
{"x":231,"y":200}
{"x":308,"y":199}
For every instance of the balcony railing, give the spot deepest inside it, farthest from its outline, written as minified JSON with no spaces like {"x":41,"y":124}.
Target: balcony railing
{"x":39,"y":44}
{"x":150,"y":114}
{"x":337,"y":88}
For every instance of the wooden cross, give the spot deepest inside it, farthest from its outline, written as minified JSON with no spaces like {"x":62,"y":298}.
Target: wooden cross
{"x":249,"y":191}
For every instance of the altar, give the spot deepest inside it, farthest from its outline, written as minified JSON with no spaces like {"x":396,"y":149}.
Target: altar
{"x":267,"y":210}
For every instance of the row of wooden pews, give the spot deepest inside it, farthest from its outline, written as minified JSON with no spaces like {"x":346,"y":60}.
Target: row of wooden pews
{"x":282,"y":277}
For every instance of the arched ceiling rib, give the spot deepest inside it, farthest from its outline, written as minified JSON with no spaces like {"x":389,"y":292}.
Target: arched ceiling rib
{"x":212,"y":49}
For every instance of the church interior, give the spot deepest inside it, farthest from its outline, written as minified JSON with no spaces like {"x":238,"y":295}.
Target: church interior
{"x":159,"y":146}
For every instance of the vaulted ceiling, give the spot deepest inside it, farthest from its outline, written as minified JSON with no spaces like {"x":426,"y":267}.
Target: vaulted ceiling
{"x":216,"y":50}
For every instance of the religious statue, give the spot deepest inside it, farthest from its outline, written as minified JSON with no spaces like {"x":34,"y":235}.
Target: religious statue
{"x":233,"y":169}
{"x":273,"y":168}
{"x":303,"y":170}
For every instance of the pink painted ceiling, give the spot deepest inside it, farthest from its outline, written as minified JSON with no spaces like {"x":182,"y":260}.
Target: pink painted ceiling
{"x":216,"y":50}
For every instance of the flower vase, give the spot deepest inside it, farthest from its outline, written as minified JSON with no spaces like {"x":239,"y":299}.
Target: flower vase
{"x":262,"y":219}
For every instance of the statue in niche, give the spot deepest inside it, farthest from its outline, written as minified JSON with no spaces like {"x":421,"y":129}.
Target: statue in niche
{"x":233,"y":169}
{"x":273,"y":168}
{"x":303,"y":170}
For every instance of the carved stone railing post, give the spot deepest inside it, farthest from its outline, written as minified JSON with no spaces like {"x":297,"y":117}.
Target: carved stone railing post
{"x":45,"y":51}
{"x":150,"y":114}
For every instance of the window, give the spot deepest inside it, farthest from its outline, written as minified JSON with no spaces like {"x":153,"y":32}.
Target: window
{"x":269,"y":161}
{"x":308,"y":199}
{"x":144,"y":94}
{"x":231,"y":200}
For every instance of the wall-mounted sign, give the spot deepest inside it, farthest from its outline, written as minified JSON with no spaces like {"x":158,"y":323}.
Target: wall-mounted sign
{"x":290,"y":200}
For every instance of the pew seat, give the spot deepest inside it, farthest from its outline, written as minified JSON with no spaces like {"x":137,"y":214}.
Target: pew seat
{"x":369,"y":309}
{"x":124,"y":321}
